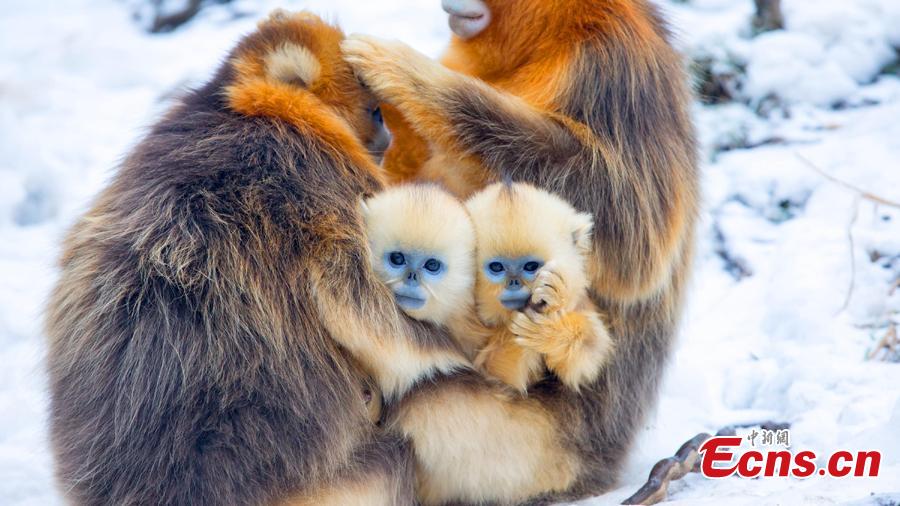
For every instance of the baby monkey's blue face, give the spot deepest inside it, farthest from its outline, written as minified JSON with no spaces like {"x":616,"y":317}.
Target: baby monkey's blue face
{"x":416,"y":269}
{"x":515,"y":276}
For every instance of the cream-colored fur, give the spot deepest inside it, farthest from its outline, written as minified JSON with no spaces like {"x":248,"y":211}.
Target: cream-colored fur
{"x":290,"y":62}
{"x":429,"y":219}
{"x":566,"y":334}
{"x":517,"y":220}
{"x":513,"y":364}
{"x":375,"y":491}
{"x":469,"y":442}
{"x":469,"y":447}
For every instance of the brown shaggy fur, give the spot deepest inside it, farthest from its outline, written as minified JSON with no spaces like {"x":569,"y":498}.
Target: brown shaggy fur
{"x":201,"y":332}
{"x":585,"y":98}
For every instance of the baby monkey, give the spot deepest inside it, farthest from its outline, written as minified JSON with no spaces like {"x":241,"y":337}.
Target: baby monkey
{"x":532,"y":306}
{"x":423,"y":247}
{"x":531,"y":287}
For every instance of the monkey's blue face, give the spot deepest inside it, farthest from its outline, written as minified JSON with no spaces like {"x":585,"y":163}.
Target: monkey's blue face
{"x":416,"y":270}
{"x":515,"y":275}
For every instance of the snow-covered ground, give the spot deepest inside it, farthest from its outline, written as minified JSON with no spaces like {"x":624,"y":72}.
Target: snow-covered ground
{"x":796,"y":259}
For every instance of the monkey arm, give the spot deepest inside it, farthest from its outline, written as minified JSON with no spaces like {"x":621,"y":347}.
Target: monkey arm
{"x":507,"y":361}
{"x":470,"y":332}
{"x":461,"y":112}
{"x":360,"y":314}
{"x":642,"y":202}
{"x":493,"y":351}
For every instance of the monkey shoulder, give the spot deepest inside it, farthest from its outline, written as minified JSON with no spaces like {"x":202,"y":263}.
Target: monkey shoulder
{"x":221,"y":173}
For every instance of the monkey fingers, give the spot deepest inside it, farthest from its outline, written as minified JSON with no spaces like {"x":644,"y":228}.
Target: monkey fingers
{"x":550,"y":293}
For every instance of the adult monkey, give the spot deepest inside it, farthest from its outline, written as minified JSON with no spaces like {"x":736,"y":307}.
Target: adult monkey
{"x":587,"y":99}
{"x":211,"y":303}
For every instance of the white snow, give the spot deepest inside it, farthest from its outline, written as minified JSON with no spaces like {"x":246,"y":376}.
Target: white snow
{"x":786,"y":340}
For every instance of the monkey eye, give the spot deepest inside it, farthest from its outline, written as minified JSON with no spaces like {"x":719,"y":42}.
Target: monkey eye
{"x":397,"y":258}
{"x":432,"y":265}
{"x":377,"y":117}
{"x":495,"y":267}
{"x":532,"y":266}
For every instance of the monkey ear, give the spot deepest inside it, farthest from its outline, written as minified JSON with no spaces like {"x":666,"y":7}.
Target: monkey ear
{"x":293,"y":64}
{"x":582,"y":226}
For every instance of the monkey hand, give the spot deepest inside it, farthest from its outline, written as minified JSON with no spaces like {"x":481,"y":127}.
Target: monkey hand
{"x":392,"y":69}
{"x":575,"y":345}
{"x":537,"y":331}
{"x":551,"y":292}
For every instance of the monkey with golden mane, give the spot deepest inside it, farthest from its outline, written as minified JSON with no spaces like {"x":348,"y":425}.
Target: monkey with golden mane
{"x":586,"y":99}
{"x":217,"y":321}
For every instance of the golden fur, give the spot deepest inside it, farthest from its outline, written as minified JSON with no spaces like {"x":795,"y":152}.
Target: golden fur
{"x":292,"y":63}
{"x":294,"y":71}
{"x":566,"y":334}
{"x":334,"y":108}
{"x":468,"y":442}
{"x":519,"y":220}
{"x":486,"y":461}
{"x":593,"y":106}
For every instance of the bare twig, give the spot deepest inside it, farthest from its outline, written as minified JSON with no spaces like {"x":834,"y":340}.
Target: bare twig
{"x":686,"y":460}
{"x":167,"y":22}
{"x":860,"y":194}
{"x":890,"y":343}
{"x":852,"y":255}
{"x":859,"y":191}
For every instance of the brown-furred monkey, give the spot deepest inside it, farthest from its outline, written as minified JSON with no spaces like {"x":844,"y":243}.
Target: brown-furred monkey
{"x":217,"y":321}
{"x":587,"y":99}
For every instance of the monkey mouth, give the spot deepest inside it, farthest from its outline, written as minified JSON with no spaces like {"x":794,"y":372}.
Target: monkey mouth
{"x":515,"y":303}
{"x":407,"y":302}
{"x":466,"y":21}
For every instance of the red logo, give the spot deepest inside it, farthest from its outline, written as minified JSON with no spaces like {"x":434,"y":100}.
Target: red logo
{"x":720,"y":458}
